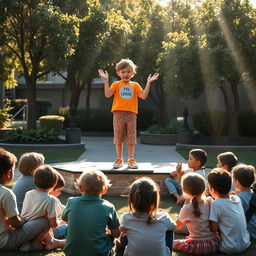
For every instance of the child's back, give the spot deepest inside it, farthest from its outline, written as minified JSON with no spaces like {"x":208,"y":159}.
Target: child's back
{"x":145,"y":238}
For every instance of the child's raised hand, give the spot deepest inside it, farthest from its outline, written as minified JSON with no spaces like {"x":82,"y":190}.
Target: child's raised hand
{"x":179,"y":167}
{"x":102,"y":74}
{"x":152,"y":78}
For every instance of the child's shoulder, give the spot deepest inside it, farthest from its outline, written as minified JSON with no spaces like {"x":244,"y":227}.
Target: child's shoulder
{"x":107,"y":204}
{"x":6,"y":193}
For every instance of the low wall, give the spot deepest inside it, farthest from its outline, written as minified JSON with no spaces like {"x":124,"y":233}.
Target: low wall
{"x":158,"y":139}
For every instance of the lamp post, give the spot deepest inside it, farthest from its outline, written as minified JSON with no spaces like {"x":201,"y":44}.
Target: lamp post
{"x":185,"y":135}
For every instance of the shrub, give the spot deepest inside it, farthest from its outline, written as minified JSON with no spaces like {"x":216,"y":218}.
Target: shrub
{"x":64,"y":111}
{"x":42,"y":107}
{"x":95,"y":120}
{"x":52,"y":122}
{"x":23,"y":135}
{"x":172,"y":128}
{"x":211,"y":123}
{"x":145,"y":118}
{"x":246,"y":123}
{"x":5,"y":115}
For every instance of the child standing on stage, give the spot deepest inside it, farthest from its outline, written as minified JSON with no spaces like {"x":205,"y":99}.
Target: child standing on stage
{"x":125,"y":107}
{"x":227,"y":214}
{"x":195,"y":215}
{"x":148,"y":230}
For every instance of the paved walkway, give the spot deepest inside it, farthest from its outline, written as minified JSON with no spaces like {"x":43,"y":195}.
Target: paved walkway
{"x":102,"y":150}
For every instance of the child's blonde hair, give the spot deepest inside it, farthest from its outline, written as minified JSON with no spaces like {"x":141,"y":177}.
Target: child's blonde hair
{"x":194,"y":185}
{"x":29,"y":162}
{"x":144,"y":197}
{"x":45,"y":177}
{"x":93,"y":182}
{"x":124,"y":63}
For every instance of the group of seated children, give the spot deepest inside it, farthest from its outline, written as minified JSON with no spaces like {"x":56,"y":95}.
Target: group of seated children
{"x":223,"y":221}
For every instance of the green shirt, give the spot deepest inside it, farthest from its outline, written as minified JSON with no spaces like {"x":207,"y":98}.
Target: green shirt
{"x":87,"y":217}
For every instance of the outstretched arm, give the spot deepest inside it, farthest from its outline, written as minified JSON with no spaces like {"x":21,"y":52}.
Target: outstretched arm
{"x":150,"y":79}
{"x":104,"y":76}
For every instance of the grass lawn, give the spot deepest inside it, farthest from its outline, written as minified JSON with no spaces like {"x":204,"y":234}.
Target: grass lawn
{"x":120,"y":203}
{"x":55,"y":156}
{"x":243,"y":157}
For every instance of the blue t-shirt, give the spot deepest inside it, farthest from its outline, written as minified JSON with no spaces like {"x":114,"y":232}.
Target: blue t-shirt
{"x":24,"y":184}
{"x":87,"y":217}
{"x":245,"y":199}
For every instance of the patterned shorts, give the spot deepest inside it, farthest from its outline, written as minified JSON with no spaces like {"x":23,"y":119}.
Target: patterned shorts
{"x":124,"y":123}
{"x":199,"y":247}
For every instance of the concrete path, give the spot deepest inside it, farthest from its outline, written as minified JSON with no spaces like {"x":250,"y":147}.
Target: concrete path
{"x":102,"y":149}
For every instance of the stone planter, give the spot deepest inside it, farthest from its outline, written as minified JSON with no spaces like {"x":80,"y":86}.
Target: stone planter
{"x":158,"y":139}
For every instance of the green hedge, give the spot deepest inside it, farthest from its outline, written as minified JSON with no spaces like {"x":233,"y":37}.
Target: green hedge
{"x":5,"y":114}
{"x":216,"y":123}
{"x":52,"y":122}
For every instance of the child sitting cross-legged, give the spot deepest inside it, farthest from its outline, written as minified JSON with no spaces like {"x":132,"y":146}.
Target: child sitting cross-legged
{"x":61,"y":230}
{"x":196,"y":161}
{"x":227,"y":214}
{"x":39,"y":203}
{"x":148,"y":231}
{"x":195,"y":214}
{"x":92,"y":221}
{"x":14,"y":230}
{"x":243,"y":179}
{"x":28,"y":163}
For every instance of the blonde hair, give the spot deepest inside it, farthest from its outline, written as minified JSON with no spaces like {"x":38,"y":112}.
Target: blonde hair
{"x":144,"y":197}
{"x":29,"y":162}
{"x":124,"y":63}
{"x":194,"y":185}
{"x":93,"y":182}
{"x":45,"y":177}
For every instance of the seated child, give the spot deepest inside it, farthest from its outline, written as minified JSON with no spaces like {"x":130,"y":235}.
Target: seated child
{"x":61,"y":229}
{"x":88,"y":216}
{"x":28,"y":163}
{"x":243,"y":179}
{"x":149,"y":231}
{"x":39,"y":203}
{"x":227,"y":214}
{"x":15,"y":231}
{"x":227,"y":161}
{"x":196,"y":161}
{"x":195,"y":214}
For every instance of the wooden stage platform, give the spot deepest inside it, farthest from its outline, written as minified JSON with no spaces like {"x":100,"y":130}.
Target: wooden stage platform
{"x":121,"y":178}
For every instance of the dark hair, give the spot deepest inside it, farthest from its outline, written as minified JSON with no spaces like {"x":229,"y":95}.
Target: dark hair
{"x":229,"y":159}
{"x":199,"y":155}
{"x":144,"y":197}
{"x":245,"y":174}
{"x":45,"y":177}
{"x":7,"y":161}
{"x":220,"y":180}
{"x":194,"y":185}
{"x":60,"y":182}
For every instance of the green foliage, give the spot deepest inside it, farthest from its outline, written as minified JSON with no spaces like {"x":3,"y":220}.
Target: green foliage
{"x":42,"y":107}
{"x":96,"y":120}
{"x":29,"y":136}
{"x":5,"y":115}
{"x":247,"y":123}
{"x":211,"y":123}
{"x":64,"y":111}
{"x":145,"y":118}
{"x":52,"y":122}
{"x":172,"y":128}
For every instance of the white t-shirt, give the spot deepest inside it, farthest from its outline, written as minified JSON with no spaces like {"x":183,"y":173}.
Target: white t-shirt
{"x":144,"y":238}
{"x":198,"y":227}
{"x":229,"y":215}
{"x":8,"y":209}
{"x":39,"y":204}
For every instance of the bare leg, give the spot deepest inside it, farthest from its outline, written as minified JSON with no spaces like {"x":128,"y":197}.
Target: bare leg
{"x":179,"y":198}
{"x":53,"y":243}
{"x":119,"y":150}
{"x":131,"y":148}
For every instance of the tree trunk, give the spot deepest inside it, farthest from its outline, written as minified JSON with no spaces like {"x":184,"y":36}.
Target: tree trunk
{"x":31,"y":118}
{"x":76,"y":90}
